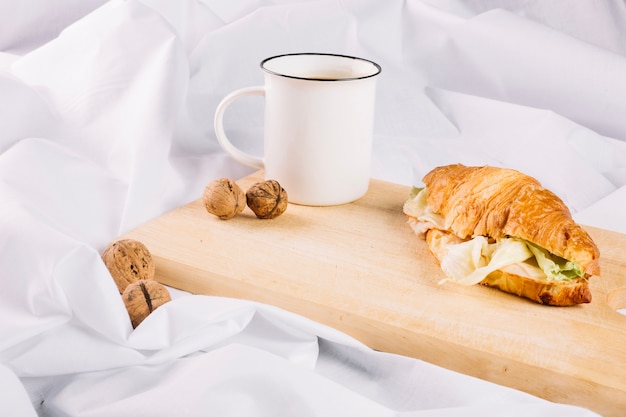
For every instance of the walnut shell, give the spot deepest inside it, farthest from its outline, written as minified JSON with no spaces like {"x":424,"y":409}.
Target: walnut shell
{"x":142,"y":298}
{"x":267,"y":199}
{"x":128,"y":260}
{"x":224,"y":198}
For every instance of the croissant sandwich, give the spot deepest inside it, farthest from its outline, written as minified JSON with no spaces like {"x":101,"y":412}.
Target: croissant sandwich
{"x":501,"y":228}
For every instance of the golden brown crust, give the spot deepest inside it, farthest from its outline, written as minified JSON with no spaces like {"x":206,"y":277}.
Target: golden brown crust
{"x":500,"y":202}
{"x":555,"y":293}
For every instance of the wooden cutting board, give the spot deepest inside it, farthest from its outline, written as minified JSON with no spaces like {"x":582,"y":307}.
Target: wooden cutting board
{"x":359,"y":268}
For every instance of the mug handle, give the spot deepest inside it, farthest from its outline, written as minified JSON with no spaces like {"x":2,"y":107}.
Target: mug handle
{"x":236,"y":153}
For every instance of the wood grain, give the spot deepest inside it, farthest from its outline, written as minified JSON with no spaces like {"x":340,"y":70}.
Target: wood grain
{"x":359,"y":268}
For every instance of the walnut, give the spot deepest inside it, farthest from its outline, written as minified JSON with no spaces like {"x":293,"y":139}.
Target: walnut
{"x":267,"y":199}
{"x":142,"y":298}
{"x":128,"y":260}
{"x":224,"y":198}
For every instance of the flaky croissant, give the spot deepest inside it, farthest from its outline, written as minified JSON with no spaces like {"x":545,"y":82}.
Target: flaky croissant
{"x":499,"y":203}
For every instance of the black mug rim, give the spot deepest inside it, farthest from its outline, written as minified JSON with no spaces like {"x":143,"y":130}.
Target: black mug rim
{"x":375,"y":73}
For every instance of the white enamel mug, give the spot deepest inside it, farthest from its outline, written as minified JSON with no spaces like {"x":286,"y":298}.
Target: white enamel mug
{"x":319,"y":117}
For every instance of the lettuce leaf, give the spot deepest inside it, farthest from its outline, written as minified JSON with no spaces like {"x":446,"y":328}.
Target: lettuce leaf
{"x":555,"y":267}
{"x":417,"y":206}
{"x":470,"y":262}
{"x":414,"y":192}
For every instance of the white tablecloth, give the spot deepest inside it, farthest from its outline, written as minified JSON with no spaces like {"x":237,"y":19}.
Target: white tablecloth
{"x":106,"y":111}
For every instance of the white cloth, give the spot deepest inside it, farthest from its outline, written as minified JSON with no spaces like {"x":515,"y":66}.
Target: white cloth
{"x":106,"y":112}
